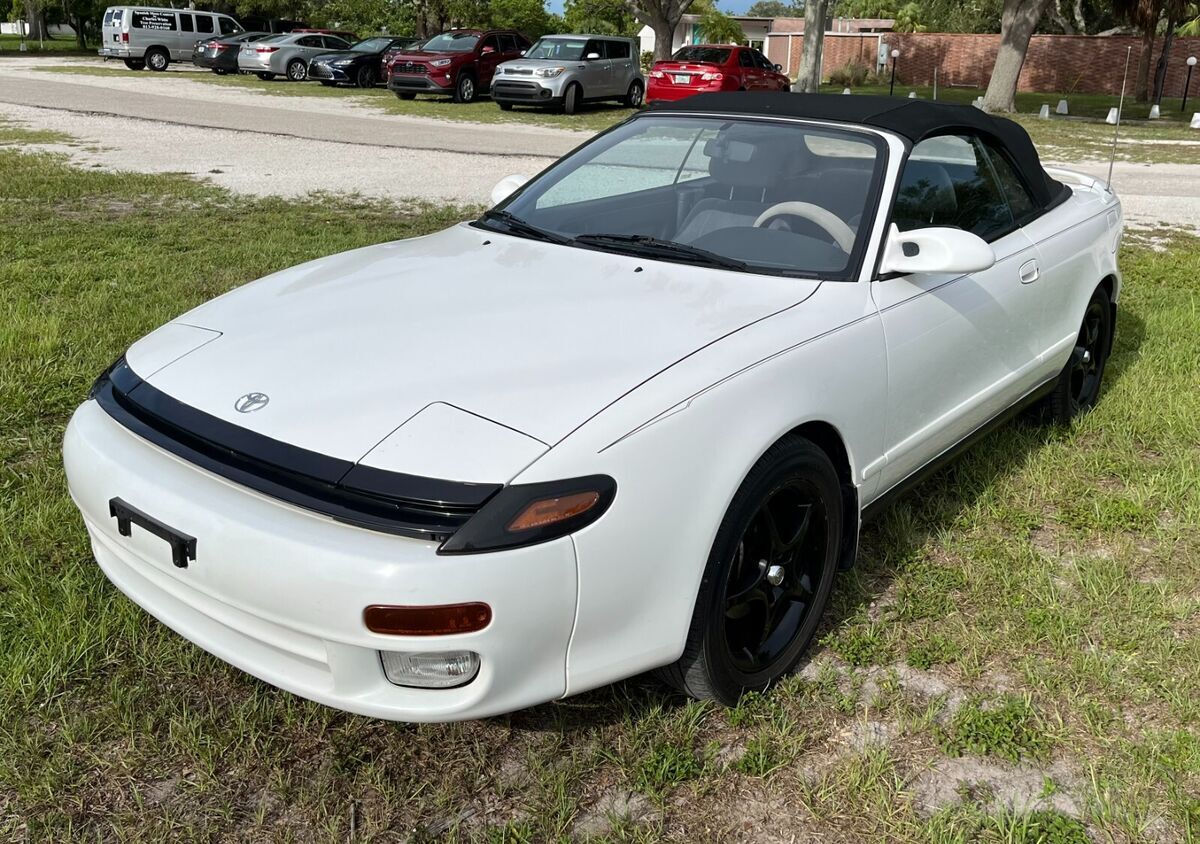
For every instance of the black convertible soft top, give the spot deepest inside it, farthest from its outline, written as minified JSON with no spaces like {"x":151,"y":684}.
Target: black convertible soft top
{"x":912,"y":119}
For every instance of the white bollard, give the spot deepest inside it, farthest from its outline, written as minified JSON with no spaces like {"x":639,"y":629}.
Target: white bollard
{"x":1111,"y":120}
{"x":1154,"y":115}
{"x":977,"y":102}
{"x":845,"y":90}
{"x":912,"y":95}
{"x":1195,"y":124}
{"x":1044,"y":112}
{"x":1061,"y":108}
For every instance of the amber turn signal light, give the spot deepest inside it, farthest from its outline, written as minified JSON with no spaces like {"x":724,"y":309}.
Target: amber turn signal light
{"x":547,"y":511}
{"x":442,"y":620}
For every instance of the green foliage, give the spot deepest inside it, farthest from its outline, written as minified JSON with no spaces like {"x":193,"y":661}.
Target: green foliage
{"x":776,"y":9}
{"x":600,"y":17}
{"x":933,"y":650}
{"x":1043,"y":828}
{"x":860,"y":644}
{"x":716,"y":27}
{"x":1008,"y":728}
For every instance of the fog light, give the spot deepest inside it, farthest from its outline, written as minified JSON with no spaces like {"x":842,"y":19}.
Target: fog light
{"x":441,"y":670}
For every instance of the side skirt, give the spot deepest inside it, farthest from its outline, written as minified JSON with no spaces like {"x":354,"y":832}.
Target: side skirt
{"x":876,"y":508}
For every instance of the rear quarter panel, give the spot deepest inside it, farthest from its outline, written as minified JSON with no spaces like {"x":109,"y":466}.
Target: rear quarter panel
{"x":1077,"y":245}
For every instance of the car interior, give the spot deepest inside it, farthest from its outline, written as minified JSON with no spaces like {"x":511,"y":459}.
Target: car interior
{"x":758,"y":194}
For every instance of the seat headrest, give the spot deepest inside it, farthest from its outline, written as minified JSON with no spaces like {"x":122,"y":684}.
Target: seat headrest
{"x":758,"y":160}
{"x":926,"y":193}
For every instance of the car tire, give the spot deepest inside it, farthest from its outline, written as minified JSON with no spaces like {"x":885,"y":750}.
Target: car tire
{"x":157,"y":59}
{"x":635,"y":95}
{"x":571,"y":98}
{"x":768,"y":576}
{"x":403,"y":96}
{"x":135,"y":64}
{"x":297,"y":70}
{"x":464,"y":89}
{"x":365,"y":77}
{"x":1078,"y":387}
{"x":265,"y":77}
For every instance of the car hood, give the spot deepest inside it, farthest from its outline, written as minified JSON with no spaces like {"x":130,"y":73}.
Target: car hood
{"x":425,"y":55}
{"x":533,"y":336}
{"x":341,"y":54}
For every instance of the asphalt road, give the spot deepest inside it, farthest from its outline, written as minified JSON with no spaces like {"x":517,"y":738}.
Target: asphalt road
{"x":222,"y":108}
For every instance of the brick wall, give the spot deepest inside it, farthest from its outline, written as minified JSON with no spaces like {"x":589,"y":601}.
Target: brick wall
{"x":1080,"y":63}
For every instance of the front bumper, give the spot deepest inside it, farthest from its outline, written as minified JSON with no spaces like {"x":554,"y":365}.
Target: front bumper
{"x":525,"y":92}
{"x":279,"y":592}
{"x":327,"y":72}
{"x":413,"y":83}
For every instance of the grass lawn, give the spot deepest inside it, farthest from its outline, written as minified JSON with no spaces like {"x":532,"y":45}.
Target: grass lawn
{"x":59,"y":46}
{"x":1014,"y":660}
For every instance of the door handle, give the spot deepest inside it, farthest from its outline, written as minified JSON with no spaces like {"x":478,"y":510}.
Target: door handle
{"x":1029,"y":272}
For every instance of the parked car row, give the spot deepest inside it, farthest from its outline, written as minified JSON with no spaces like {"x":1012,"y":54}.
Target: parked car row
{"x":558,"y":71}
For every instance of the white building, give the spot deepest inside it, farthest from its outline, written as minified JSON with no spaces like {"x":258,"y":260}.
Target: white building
{"x":688,"y":32}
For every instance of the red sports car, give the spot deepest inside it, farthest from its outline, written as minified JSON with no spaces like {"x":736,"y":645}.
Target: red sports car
{"x":701,"y":68}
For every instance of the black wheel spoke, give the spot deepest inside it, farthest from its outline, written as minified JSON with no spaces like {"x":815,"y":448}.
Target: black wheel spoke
{"x":772,"y":579}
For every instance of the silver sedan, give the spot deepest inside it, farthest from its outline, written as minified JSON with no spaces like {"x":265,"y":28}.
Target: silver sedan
{"x":286,"y":54}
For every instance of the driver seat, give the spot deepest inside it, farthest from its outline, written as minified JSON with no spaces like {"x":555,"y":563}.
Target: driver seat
{"x":746,"y":165}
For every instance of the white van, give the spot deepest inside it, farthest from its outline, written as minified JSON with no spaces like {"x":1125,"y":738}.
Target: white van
{"x":145,"y":36}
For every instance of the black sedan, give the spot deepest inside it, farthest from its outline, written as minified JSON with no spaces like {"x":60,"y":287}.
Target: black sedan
{"x":220,"y":54}
{"x":357,"y":66}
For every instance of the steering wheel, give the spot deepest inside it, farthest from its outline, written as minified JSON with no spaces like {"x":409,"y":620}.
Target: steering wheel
{"x":831,"y":223}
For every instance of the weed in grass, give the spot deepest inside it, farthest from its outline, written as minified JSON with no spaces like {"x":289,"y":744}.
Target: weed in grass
{"x":934,"y":649}
{"x":1008,"y":728}
{"x":864,"y":643}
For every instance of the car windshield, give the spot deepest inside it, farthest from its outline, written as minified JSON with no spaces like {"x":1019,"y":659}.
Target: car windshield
{"x":711,"y":55}
{"x":782,"y":198}
{"x":371,"y":45}
{"x":562,"y":49}
{"x":451,"y":42}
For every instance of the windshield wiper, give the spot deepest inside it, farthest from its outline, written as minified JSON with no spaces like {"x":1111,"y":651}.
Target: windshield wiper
{"x":657,"y":247}
{"x":516,"y":225}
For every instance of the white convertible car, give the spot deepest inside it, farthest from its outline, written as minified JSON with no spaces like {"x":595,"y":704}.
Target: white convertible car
{"x":631,"y":418}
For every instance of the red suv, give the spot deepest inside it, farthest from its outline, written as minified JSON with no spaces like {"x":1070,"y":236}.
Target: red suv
{"x":459,"y":62}
{"x":700,"y":68}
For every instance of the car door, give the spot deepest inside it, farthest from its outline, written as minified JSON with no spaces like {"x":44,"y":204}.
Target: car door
{"x":749,"y":74}
{"x":772,"y":79}
{"x":621,"y":69}
{"x":185,"y":38}
{"x":307,"y":47}
{"x":960,"y":348}
{"x":205,"y":26}
{"x":597,"y":73}
{"x":488,"y":59}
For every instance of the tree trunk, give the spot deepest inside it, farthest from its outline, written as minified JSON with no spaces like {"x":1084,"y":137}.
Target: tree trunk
{"x":1060,"y":18}
{"x":1141,"y":86}
{"x":664,"y":35}
{"x":1160,"y":71}
{"x":35,"y":18}
{"x":808,"y":78}
{"x":1016,"y":26}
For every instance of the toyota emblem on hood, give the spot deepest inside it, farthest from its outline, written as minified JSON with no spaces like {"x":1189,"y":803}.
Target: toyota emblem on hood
{"x":251,"y":402}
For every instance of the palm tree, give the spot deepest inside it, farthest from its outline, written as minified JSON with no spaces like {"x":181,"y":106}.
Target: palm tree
{"x":1146,"y":15}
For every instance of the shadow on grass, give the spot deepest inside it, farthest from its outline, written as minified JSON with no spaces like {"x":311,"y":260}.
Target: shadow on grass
{"x":886,"y":546}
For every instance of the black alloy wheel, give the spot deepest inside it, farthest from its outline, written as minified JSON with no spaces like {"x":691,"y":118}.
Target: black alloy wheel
{"x":768,"y":576}
{"x":1078,"y":386}
{"x":366,"y":77}
{"x":774,"y":575}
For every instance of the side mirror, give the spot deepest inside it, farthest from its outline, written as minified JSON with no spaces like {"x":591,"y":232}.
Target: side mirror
{"x":523,"y":52}
{"x":591,"y":56}
{"x":935,"y":250}
{"x":486,"y":50}
{"x":506,"y":186}
{"x":779,"y":68}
